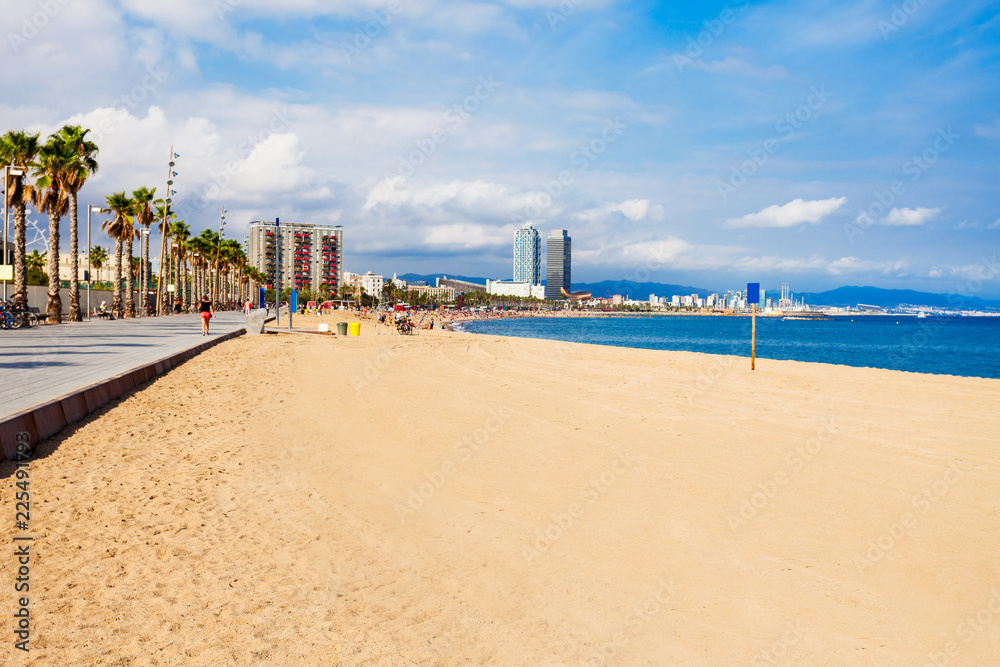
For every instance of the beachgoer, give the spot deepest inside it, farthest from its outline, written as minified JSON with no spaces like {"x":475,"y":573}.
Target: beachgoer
{"x":205,"y":307}
{"x":247,"y":307}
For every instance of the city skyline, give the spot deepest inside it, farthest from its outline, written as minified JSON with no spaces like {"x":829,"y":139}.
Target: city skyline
{"x":824,"y":143}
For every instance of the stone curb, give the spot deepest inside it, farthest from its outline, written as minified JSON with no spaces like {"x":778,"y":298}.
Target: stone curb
{"x":46,"y":420}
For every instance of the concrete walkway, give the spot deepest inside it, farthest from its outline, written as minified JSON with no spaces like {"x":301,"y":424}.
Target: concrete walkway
{"x":50,"y":369}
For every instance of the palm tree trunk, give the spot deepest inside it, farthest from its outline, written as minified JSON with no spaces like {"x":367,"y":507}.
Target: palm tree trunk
{"x":116,"y":300}
{"x":74,"y":269}
{"x":54,"y":307}
{"x":129,"y":299}
{"x":20,"y":297}
{"x":183,"y":281}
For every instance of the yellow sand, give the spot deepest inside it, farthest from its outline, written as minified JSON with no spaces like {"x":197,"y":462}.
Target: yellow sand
{"x":455,"y":499}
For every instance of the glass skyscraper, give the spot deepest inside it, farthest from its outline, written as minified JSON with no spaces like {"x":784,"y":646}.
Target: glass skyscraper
{"x":557,"y":264}
{"x":527,"y":256}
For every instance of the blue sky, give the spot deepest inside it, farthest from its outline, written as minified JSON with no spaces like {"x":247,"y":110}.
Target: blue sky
{"x":815,"y":143}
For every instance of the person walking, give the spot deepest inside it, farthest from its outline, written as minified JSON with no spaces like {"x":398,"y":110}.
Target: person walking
{"x":205,"y":307}
{"x":247,"y":307}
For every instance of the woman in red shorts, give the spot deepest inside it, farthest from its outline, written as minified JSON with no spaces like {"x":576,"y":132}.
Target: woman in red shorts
{"x":206,"y":314}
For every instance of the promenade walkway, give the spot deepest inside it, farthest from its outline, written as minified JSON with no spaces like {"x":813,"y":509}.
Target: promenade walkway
{"x":54,"y":375}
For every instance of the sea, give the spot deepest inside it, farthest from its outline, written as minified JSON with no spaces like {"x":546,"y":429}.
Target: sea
{"x":964,"y":346}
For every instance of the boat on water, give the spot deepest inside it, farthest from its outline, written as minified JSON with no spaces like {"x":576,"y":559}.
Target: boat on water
{"x":805,"y":315}
{"x":921,"y":315}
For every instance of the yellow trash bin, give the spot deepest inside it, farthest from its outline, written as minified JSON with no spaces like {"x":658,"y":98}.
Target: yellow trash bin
{"x":355,"y":328}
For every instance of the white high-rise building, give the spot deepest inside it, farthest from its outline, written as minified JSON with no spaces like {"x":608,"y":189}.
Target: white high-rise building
{"x":527,"y":255}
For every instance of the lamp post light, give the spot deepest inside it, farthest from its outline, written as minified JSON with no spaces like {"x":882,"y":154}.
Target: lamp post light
{"x":90,"y":277}
{"x":144,"y":272}
{"x":218,"y":249}
{"x":9,"y":170}
{"x":194,"y":278}
{"x":163,"y":236}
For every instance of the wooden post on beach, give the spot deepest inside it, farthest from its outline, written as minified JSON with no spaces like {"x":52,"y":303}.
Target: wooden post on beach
{"x":753,"y":337}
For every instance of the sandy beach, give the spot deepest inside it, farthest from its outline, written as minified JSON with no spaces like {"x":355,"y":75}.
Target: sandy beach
{"x":453,"y":499}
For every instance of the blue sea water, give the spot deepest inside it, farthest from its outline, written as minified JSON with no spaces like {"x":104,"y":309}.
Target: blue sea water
{"x":967,"y":346}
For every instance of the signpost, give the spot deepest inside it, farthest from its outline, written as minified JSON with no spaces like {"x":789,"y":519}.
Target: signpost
{"x":753,"y":298}
{"x":260,"y":301}
{"x":293,"y":304}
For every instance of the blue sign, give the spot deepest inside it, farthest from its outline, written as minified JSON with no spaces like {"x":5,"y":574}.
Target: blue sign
{"x":261,"y":301}
{"x":753,"y":292}
{"x":293,"y":301}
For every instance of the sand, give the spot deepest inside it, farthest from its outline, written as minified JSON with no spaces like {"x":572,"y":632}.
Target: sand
{"x":453,"y":499}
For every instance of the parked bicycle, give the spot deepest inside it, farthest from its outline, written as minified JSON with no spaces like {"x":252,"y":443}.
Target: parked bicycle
{"x":404,"y":327}
{"x":13,"y":316}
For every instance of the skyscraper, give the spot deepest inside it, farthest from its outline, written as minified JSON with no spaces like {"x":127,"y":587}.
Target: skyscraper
{"x":557,"y":264}
{"x":527,"y":255}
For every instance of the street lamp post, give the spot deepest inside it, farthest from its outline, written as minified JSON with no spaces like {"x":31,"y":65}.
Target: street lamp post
{"x":144,"y":271}
{"x":163,"y":236}
{"x":218,"y":249}
{"x":90,"y":277}
{"x":194,"y":278}
{"x":9,"y":170}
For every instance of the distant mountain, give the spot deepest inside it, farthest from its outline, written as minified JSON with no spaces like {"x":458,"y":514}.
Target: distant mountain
{"x":890,"y":298}
{"x":842,"y":296}
{"x":638,"y":291}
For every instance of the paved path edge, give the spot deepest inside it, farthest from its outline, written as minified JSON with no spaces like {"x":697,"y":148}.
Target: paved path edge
{"x":48,"y":419}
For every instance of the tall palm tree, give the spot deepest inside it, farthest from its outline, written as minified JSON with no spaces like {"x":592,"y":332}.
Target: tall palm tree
{"x":129,"y":238}
{"x":144,"y":216}
{"x":77,"y":173}
{"x":234,"y":260}
{"x":19,"y":149}
{"x":98,"y":256}
{"x":180,"y":232}
{"x":118,"y":228}
{"x":210,"y":246}
{"x":55,"y":160}
{"x":198,"y":252}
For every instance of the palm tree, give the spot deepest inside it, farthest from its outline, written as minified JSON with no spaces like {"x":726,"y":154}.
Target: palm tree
{"x":98,"y":256}
{"x":144,"y":216}
{"x":180,"y":232}
{"x":235,"y":259}
{"x":55,"y":160}
{"x":198,"y":251}
{"x":35,"y":261}
{"x":19,"y":149}
{"x":117,"y":228}
{"x":129,"y":238}
{"x":80,"y":168}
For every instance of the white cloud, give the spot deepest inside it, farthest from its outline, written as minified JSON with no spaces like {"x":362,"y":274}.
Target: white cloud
{"x":632,"y":209}
{"x":793,"y":213}
{"x":909,"y":217}
{"x":468,"y":235}
{"x":739,"y":67}
{"x":991,"y":131}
